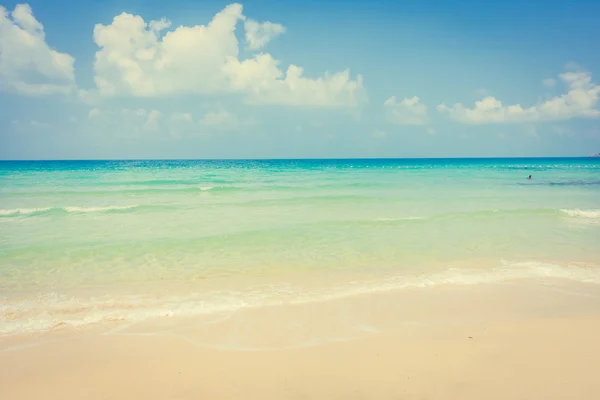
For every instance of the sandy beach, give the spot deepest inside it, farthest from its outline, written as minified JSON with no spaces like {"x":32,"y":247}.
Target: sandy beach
{"x":387,"y":200}
{"x":527,"y":340}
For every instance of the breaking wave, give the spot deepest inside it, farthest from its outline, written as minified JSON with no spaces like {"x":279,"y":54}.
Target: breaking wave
{"x":54,"y":311}
{"x":577,"y":213}
{"x":16,"y":212}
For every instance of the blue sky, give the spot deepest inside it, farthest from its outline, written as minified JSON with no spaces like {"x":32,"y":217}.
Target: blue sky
{"x":262,"y":79}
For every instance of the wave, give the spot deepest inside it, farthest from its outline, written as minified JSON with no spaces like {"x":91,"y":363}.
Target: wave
{"x":98,"y":209}
{"x":213,"y":186}
{"x":493,"y":213}
{"x":17,"y":212}
{"x":576,"y":183}
{"x":126,"y":191}
{"x":165,"y":182}
{"x":23,"y":211}
{"x":54,"y":311}
{"x":398,"y":219}
{"x":577,"y":213}
{"x":391,"y":220}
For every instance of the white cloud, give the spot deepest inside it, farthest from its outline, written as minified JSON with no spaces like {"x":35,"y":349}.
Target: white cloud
{"x":219,"y":118}
{"x":549,"y":82}
{"x":181,"y":124}
{"x":94,"y":112}
{"x":182,"y":117}
{"x":259,"y":34}
{"x":151,"y":124}
{"x":579,"y":101}
{"x":407,"y":112}
{"x":138,"y":122}
{"x":90,"y":97}
{"x":136,"y":58}
{"x":127,"y":120}
{"x":159,"y":25}
{"x":28,"y":66}
{"x":265,"y":83}
{"x":145,"y":120}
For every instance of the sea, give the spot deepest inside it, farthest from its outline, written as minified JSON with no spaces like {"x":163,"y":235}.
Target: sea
{"x":91,"y":242}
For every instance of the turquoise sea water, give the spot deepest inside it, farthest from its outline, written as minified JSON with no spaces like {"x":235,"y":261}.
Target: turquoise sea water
{"x":89,"y":241}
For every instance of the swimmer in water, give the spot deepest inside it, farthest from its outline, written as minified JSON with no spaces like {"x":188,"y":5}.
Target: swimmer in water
{"x":529,"y":177}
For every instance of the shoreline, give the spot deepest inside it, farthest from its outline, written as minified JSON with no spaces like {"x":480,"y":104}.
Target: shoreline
{"x":135,"y":302}
{"x":494,"y":341}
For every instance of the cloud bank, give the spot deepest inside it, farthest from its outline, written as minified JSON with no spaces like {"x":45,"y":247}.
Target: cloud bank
{"x":409,"y":111}
{"x":137,"y":58}
{"x":28,"y":66}
{"x":579,"y":101}
{"x":259,"y":34}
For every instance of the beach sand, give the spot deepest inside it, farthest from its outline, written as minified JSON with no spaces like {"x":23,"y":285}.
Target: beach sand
{"x":526,"y":340}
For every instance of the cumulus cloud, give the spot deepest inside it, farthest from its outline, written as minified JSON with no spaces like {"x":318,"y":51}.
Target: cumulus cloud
{"x":549,"y":82}
{"x":151,"y":123}
{"x":182,"y":117}
{"x":94,"y":112}
{"x":139,"y":122}
{"x":409,"y":111}
{"x":127,"y":120}
{"x":265,"y":83}
{"x":180,"y":124}
{"x":144,"y":120}
{"x":223,"y":120}
{"x":220,"y":119}
{"x":259,"y":34}
{"x":140,"y":59}
{"x":580,"y":100}
{"x":28,"y":66}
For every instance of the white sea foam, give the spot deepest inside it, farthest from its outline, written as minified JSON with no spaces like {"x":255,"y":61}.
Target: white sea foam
{"x":23,"y":211}
{"x":52,"y":311}
{"x":577,"y":213}
{"x":98,"y":209}
{"x":74,"y":209}
{"x":398,"y":219}
{"x":205,"y":188}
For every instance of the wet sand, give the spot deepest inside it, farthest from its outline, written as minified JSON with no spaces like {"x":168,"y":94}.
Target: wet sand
{"x":528,"y":340}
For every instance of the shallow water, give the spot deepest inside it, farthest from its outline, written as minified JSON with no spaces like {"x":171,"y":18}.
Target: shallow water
{"x":89,"y":241}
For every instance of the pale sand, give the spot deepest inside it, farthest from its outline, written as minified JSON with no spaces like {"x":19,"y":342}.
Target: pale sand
{"x":518,"y":341}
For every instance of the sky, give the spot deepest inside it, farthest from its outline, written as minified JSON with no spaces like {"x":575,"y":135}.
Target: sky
{"x":139,"y":79}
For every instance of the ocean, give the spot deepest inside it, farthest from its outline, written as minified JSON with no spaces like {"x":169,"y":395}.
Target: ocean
{"x":90,"y":242}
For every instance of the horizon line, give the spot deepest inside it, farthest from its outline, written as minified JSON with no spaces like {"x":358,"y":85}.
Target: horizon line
{"x":297,"y":158}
